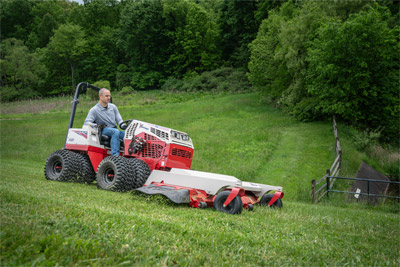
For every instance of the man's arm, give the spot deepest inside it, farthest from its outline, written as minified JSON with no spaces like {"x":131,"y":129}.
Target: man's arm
{"x":118,"y":117}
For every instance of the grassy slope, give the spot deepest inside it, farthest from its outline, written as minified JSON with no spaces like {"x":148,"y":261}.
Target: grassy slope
{"x":46,"y":222}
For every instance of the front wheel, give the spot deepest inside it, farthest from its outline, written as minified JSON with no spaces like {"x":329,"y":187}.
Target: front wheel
{"x":234,"y":207}
{"x":114,"y":174}
{"x":140,"y":171}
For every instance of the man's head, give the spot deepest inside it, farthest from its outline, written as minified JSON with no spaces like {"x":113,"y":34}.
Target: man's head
{"x":105,"y":96}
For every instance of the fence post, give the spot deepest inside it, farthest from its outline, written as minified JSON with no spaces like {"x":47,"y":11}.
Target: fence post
{"x":328,"y":174}
{"x":313,"y":191}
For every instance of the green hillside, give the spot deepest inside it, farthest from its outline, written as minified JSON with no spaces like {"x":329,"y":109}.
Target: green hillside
{"x":49,"y":223}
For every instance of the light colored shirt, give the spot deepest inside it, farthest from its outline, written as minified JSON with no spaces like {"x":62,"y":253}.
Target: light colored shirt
{"x":104,"y":115}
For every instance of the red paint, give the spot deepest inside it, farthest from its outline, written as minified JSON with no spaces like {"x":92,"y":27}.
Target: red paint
{"x":234,"y":192}
{"x":277,"y":195}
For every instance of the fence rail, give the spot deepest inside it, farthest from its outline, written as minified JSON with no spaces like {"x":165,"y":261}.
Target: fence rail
{"x":359,"y":193}
{"x":318,"y":194}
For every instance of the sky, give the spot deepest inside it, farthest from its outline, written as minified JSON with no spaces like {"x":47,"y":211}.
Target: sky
{"x":78,"y":1}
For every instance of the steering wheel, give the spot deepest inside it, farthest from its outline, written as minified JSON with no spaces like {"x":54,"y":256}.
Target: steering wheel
{"x":123,"y":125}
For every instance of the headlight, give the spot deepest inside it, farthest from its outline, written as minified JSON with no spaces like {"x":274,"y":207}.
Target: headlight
{"x":175,"y":134}
{"x":180,"y":136}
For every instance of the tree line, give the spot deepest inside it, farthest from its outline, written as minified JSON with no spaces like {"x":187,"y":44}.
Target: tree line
{"x":49,"y":46}
{"x":312,"y":58}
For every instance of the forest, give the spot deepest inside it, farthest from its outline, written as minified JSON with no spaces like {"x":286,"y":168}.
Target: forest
{"x":313,"y":59}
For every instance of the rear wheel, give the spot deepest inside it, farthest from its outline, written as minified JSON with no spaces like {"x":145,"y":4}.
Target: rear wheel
{"x":62,"y":165}
{"x":114,"y":174}
{"x":234,"y":207}
{"x":267,"y":198}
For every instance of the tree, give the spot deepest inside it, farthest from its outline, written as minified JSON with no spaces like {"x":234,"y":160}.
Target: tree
{"x":21,"y":71}
{"x":144,"y":42}
{"x":278,"y":62}
{"x":239,"y":22}
{"x":16,"y":19}
{"x":47,"y":16}
{"x":194,"y":35}
{"x":96,"y":14}
{"x":354,"y":70}
{"x":68,"y":45}
{"x":238,"y":28}
{"x":100,"y":62}
{"x":268,"y":73}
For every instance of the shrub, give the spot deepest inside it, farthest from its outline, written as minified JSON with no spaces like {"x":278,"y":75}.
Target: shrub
{"x":219,"y":80}
{"x":365,"y":139}
{"x":146,"y":80}
{"x":306,"y":110}
{"x":127,"y":90}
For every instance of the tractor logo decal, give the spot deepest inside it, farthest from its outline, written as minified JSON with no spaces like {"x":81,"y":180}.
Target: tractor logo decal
{"x":82,"y":133}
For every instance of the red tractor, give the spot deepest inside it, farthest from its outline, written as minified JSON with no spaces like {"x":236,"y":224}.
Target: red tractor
{"x":153,"y":160}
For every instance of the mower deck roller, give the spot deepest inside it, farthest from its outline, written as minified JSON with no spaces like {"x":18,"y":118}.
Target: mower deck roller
{"x":154,"y":160}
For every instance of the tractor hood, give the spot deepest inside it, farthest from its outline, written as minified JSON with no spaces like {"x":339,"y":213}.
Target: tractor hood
{"x":169,"y":136}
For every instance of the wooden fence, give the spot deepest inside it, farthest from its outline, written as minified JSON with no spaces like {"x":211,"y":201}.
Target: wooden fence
{"x":318,"y":193}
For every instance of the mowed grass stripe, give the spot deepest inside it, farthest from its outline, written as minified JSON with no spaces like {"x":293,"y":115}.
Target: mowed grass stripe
{"x":66,"y":223}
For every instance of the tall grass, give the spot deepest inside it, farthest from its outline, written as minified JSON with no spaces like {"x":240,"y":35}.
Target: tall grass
{"x":51,"y":223}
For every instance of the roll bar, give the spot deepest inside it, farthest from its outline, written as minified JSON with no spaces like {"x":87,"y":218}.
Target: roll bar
{"x":80,"y":88}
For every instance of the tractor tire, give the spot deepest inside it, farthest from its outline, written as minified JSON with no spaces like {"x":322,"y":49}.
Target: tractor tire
{"x":235,"y":207}
{"x":62,"y":166}
{"x":146,"y":169}
{"x":86,"y":174}
{"x":140,"y":171}
{"x":265,"y":199}
{"x":113,"y":174}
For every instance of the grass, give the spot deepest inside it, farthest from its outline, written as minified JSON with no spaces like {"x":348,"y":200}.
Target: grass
{"x":63,"y":103}
{"x":51,"y":223}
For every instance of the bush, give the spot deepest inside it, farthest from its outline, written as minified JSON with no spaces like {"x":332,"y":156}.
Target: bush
{"x":365,"y":139}
{"x":220,"y":80}
{"x":146,"y":80}
{"x":127,"y":90}
{"x":306,"y":110}
{"x":172,"y":84}
{"x":8,"y":94}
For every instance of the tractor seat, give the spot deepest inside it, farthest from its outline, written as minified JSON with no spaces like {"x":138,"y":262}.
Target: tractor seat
{"x":105,"y":141}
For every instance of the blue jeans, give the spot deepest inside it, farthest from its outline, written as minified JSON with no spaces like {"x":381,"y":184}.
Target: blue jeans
{"x":115,"y":135}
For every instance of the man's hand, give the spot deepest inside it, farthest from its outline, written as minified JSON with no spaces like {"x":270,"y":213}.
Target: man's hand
{"x":123,"y":125}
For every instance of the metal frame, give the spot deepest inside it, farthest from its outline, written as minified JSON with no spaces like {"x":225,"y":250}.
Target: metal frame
{"x":80,"y":88}
{"x":328,"y":178}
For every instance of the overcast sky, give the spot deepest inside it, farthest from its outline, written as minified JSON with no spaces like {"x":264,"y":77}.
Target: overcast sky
{"x":78,"y":1}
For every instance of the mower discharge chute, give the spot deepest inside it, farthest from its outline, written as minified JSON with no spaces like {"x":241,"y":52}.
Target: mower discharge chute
{"x":153,"y":160}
